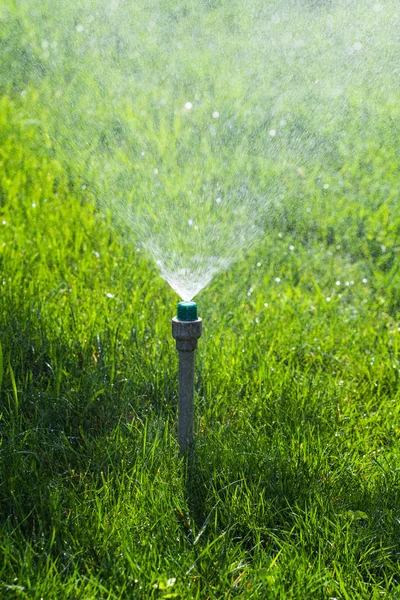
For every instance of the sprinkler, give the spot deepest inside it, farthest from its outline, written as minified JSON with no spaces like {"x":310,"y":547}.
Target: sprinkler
{"x":186,"y":329}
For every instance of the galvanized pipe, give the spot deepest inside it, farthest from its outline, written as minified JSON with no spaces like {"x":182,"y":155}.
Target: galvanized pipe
{"x":186,"y":333}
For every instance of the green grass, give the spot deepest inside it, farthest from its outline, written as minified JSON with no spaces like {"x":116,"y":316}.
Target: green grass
{"x":294,"y":491}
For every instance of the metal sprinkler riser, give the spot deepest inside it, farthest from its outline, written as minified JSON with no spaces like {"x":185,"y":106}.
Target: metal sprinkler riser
{"x":186,"y":333}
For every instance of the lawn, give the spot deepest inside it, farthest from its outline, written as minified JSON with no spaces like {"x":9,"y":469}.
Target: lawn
{"x":294,"y":488}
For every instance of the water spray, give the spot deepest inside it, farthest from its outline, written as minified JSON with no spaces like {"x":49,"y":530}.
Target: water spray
{"x":186,"y":330}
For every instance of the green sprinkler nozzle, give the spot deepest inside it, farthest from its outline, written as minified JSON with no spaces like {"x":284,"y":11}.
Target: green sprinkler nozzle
{"x":187,"y":311}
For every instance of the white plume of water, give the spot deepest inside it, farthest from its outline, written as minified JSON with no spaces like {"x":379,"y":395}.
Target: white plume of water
{"x":190,"y":120}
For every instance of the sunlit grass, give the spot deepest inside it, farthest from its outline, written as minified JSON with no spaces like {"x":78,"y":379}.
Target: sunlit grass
{"x":294,"y":491}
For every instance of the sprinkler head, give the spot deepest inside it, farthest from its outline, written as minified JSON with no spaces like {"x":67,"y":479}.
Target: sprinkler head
{"x":186,"y":327}
{"x":187,"y":311}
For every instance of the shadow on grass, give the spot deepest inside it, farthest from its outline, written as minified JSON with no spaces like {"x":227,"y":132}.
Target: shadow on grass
{"x":65,"y":411}
{"x":263,"y":498}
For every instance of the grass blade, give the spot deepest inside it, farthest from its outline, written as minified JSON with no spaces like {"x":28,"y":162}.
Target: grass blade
{"x":1,"y":366}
